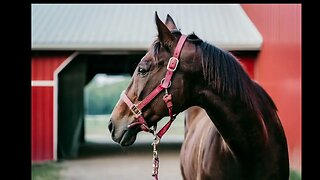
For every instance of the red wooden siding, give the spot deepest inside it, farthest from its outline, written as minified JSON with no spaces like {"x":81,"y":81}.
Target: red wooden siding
{"x":278,"y":66}
{"x":248,"y":65}
{"x":42,"y":123}
{"x":44,"y":66}
{"x":42,"y":99}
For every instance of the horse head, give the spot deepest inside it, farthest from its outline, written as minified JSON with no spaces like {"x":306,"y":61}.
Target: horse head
{"x":148,"y":75}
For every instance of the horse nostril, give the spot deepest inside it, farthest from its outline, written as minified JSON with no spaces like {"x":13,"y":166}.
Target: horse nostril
{"x":110,"y":126}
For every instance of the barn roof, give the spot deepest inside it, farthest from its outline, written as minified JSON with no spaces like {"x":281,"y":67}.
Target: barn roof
{"x":132,"y":26}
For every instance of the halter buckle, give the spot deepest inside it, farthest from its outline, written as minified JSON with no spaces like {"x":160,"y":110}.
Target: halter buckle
{"x":135,"y":110}
{"x":172,"y":64}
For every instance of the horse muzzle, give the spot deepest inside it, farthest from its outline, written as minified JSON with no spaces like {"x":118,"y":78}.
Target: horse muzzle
{"x":123,"y":135}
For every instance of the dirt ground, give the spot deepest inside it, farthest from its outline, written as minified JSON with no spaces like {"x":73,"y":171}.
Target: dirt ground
{"x":100,"y":161}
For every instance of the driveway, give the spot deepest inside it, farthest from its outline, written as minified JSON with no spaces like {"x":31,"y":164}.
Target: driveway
{"x":101,"y":161}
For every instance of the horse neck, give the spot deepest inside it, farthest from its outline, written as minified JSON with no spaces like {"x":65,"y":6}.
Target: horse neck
{"x":242,"y":130}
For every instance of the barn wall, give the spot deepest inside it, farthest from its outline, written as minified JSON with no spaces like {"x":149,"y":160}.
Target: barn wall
{"x":42,"y":67}
{"x":278,"y":66}
{"x":247,"y":63}
{"x":42,"y":120}
{"x":42,"y":102}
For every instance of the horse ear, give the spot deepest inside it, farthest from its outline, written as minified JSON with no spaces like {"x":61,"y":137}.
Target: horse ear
{"x":164,"y":33}
{"x":170,"y":23}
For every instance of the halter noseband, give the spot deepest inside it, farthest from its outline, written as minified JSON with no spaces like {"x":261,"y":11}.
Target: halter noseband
{"x":167,"y":98}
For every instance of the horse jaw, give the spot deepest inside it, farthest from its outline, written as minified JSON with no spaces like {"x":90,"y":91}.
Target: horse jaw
{"x":128,"y":138}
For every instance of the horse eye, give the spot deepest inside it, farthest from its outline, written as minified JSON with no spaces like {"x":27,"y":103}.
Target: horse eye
{"x":142,"y":71}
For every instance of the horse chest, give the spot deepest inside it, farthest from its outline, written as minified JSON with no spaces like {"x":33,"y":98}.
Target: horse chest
{"x":204,"y":154}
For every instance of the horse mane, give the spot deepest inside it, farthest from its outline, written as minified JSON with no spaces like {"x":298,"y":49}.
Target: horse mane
{"x":224,"y":73}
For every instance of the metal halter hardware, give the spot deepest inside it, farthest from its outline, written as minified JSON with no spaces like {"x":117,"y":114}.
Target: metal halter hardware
{"x":162,"y":81}
{"x":167,"y":98}
{"x":169,"y":68}
{"x":135,"y":110}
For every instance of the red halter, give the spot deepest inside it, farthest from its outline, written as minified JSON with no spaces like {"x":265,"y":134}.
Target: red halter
{"x":167,"y":98}
{"x":164,"y":84}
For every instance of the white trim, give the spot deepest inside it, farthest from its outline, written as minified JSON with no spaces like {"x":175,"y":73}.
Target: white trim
{"x":42,"y":83}
{"x":55,"y":102}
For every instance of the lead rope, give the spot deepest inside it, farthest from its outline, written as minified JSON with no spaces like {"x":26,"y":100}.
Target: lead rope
{"x":167,"y":98}
{"x":155,"y":157}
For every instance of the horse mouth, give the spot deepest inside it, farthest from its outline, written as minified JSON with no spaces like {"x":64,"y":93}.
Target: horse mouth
{"x":128,"y":138}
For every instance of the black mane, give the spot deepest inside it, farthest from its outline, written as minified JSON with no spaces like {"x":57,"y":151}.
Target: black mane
{"x":224,"y":73}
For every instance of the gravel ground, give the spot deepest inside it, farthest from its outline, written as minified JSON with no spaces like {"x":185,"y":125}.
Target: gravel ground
{"x":105,"y":161}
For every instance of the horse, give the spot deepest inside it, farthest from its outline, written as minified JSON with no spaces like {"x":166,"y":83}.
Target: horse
{"x":233,"y":130}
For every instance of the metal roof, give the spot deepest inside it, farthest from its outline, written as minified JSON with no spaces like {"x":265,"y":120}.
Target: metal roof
{"x":132,"y":26}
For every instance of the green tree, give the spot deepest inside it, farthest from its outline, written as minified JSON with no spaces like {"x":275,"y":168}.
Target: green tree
{"x":100,"y":99}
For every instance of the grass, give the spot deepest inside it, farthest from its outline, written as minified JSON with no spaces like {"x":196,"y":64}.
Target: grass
{"x":51,"y":171}
{"x":98,"y":124}
{"x":46,"y":171}
{"x":295,"y":175}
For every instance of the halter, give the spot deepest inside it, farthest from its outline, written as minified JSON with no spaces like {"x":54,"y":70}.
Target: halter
{"x":136,"y":109}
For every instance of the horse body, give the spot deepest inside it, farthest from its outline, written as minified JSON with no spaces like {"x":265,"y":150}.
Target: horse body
{"x":206,"y":155}
{"x":236,"y":135}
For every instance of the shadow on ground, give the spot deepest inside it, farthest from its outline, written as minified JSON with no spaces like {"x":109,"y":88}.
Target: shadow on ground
{"x":94,"y":149}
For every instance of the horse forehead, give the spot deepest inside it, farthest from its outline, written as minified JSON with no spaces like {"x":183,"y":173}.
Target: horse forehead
{"x":147,"y":57}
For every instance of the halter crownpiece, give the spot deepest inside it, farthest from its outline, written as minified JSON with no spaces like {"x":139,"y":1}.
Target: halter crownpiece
{"x":136,"y":109}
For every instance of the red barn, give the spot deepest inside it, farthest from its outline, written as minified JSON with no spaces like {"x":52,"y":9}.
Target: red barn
{"x":44,"y":105}
{"x":72,"y":43}
{"x":278,"y":66}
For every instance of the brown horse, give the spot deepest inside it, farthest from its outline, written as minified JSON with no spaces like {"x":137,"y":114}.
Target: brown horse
{"x":240,"y":135}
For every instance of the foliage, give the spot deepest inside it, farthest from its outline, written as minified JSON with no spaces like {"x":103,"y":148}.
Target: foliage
{"x":46,"y":171}
{"x":294,"y":175}
{"x":101,"y":98}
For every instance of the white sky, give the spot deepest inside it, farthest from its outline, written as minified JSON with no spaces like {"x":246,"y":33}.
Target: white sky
{"x":108,"y":79}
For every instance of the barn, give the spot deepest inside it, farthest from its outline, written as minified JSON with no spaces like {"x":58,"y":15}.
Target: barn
{"x":73,"y":43}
